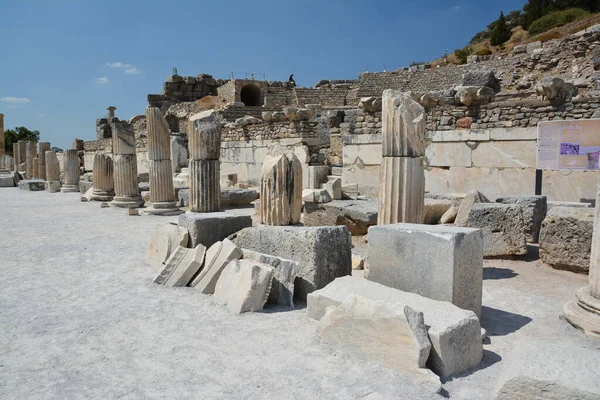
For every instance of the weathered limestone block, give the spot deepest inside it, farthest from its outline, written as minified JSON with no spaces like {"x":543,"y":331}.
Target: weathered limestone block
{"x":181,"y":266}
{"x":209,"y":228}
{"x":52,"y":167}
{"x":71,"y":171}
{"x":280,"y":187}
{"x":7,"y":180}
{"x":205,"y":186}
{"x":566,"y":238}
{"x":356,"y":215}
{"x":556,"y":90}
{"x":104,"y":183}
{"x":52,"y":186}
{"x":127,"y":192}
{"x":284,"y":274}
{"x":471,"y":198}
{"x":324,"y":253}
{"x":549,"y":370}
{"x":403,"y":125}
{"x":36,"y":168}
{"x":455,"y":334}
{"x":33,"y":185}
{"x":534,"y":212}
{"x":474,"y":95}
{"x":481,"y":77}
{"x":449,"y":216}
{"x":317,"y":175}
{"x":334,"y":187}
{"x":247,"y":120}
{"x":439,"y":262}
{"x":435,"y":210}
{"x":179,"y":154}
{"x":84,"y":186}
{"x":237,"y":197}
{"x":44,"y":147}
{"x":244,"y":286}
{"x":204,"y":133}
{"x":316,"y":196}
{"x":165,"y":239}
{"x":401,"y":190}
{"x":370,"y":104}
{"x":502,"y":226}
{"x":217,"y":258}
{"x":388,"y":334}
{"x":30,"y":149}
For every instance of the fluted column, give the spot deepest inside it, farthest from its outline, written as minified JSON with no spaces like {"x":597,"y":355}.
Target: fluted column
{"x":162,"y":192}
{"x":16,"y":156}
{"x":52,"y":172}
{"x":22,"y":156}
{"x":104,"y":183}
{"x":30,"y":148}
{"x":71,"y":171}
{"x":44,"y":147}
{"x":127,"y":192}
{"x":280,"y":187}
{"x":401,"y":177}
{"x":205,"y":151}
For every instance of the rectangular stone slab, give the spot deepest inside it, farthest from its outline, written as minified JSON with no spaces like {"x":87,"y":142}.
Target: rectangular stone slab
{"x":455,"y":334}
{"x":209,"y":228}
{"x":217,"y":257}
{"x":439,"y":262}
{"x":324,"y":253}
{"x":34,"y":185}
{"x":7,"y":181}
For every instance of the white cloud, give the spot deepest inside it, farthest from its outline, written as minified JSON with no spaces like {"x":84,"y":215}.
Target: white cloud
{"x":102,"y":80}
{"x":455,"y":8}
{"x":132,"y":70}
{"x":129,"y":68}
{"x":42,"y":115}
{"x":117,"y":65}
{"x":14,"y":100}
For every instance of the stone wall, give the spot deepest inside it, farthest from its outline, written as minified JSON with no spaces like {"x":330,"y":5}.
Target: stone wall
{"x":179,"y":89}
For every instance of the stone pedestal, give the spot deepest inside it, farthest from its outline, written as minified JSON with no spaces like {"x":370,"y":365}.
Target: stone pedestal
{"x":104,"y":183}
{"x":280,"y":188}
{"x":44,"y":147}
{"x":162,"y":193}
{"x":127,"y":193}
{"x":402,"y":178}
{"x":52,"y":172}
{"x":584,"y":311}
{"x":205,"y":150}
{"x":70,"y":172}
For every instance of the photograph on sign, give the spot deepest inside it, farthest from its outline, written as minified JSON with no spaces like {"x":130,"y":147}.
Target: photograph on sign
{"x":568,"y":145}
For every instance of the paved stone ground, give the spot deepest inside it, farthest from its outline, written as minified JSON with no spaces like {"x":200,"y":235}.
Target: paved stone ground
{"x":80,"y":318}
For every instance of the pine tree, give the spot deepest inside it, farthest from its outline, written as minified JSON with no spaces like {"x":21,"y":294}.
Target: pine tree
{"x":501,"y":31}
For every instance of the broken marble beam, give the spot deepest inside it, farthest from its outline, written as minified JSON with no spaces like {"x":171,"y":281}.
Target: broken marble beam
{"x":439,"y":262}
{"x":181,"y":266}
{"x":163,"y":242}
{"x":324,"y":253}
{"x":209,"y":228}
{"x":244,"y":286}
{"x":33,"y":185}
{"x":455,"y":334}
{"x":549,"y":370}
{"x":217,"y":258}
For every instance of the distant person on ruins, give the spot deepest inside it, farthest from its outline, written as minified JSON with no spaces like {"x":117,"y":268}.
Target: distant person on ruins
{"x":292,"y":81}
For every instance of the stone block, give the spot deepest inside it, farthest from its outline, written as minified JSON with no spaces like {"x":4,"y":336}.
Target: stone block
{"x":362,"y":153}
{"x":84,"y":186}
{"x":52,"y":186}
{"x":7,"y":180}
{"x":33,"y":185}
{"x":455,"y":334}
{"x":181,"y":266}
{"x":516,"y":182}
{"x":316,"y":175}
{"x":449,"y":216}
{"x":549,"y":370}
{"x":164,"y":241}
{"x":356,"y":215}
{"x":315,"y":196}
{"x":237,"y":197}
{"x":571,"y":186}
{"x":505,"y":154}
{"x":365,"y":176}
{"x":244,"y":285}
{"x":439,"y":262}
{"x":388,"y":334}
{"x":436,"y":180}
{"x":284,"y":274}
{"x":448,"y":155}
{"x":470,"y":199}
{"x":334,"y":187}
{"x":502,"y":226}
{"x":324,"y":253}
{"x":534,"y":211}
{"x":435,"y":209}
{"x":209,"y":228}
{"x":566,"y":238}
{"x":217,"y":257}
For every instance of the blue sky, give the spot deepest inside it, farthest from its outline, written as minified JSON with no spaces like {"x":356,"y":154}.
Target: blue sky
{"x":62,"y":62}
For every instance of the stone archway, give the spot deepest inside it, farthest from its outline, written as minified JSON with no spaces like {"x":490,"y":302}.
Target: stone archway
{"x":251,"y":96}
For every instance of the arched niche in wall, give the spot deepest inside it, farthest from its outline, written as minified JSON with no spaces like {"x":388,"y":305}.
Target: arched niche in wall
{"x":250,"y":95}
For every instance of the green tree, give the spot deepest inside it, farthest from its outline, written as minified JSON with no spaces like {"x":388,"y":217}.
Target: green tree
{"x":501,"y":31}
{"x":19,"y":133}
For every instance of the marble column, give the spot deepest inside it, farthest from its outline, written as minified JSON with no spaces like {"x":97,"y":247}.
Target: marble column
{"x":70,"y":171}
{"x":52,"y":172}
{"x":162,"y":192}
{"x":2,"y":151}
{"x":127,"y":192}
{"x":402,"y":178}
{"x":9,"y":161}
{"x":44,"y":147}
{"x":36,"y":168}
{"x":583,"y":312}
{"x":16,"y":156}
{"x":30,"y":147}
{"x":280,"y":187}
{"x":104,"y":183}
{"x":22,"y":156}
{"x":205,"y":150}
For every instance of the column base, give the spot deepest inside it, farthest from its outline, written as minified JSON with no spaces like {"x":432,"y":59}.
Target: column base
{"x":583,"y":312}
{"x":127,"y":202}
{"x":101,"y":195}
{"x":163,"y":208}
{"x":52,"y":186}
{"x":69,"y":189}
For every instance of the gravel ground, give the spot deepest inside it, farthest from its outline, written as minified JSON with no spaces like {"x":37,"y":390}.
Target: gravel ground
{"x":80,"y":318}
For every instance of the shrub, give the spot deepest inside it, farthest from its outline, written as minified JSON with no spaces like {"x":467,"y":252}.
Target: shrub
{"x":483,"y":52}
{"x":462,"y":54}
{"x":413,"y":63}
{"x":500,"y":32}
{"x":556,"y":18}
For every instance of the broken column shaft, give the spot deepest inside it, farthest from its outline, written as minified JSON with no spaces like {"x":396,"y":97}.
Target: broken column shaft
{"x":30,"y":154}
{"x":44,"y":147}
{"x":104,"y":183}
{"x":127,"y":192}
{"x":70,"y":171}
